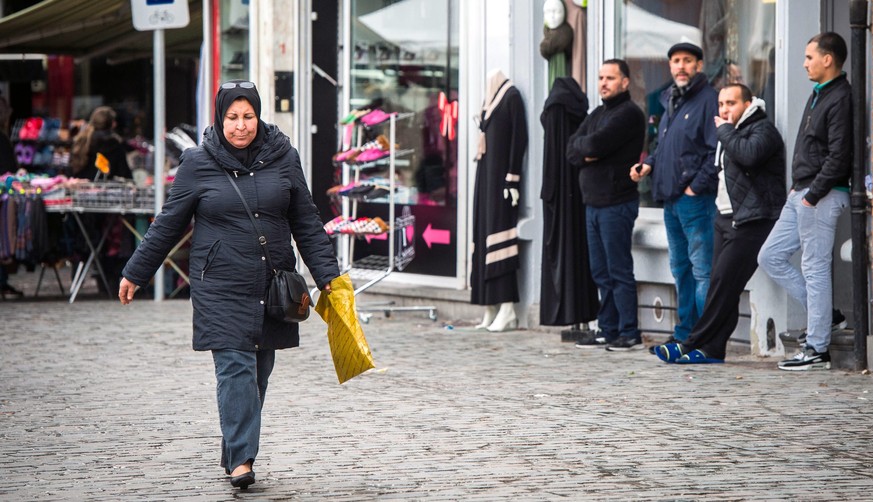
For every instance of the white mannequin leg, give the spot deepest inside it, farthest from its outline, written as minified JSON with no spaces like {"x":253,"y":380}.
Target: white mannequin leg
{"x":490,"y":314}
{"x":506,"y":319}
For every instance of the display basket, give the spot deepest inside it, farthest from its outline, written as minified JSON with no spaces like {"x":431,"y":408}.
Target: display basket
{"x":144,"y":198}
{"x":103,"y":195}
{"x":58,"y":197}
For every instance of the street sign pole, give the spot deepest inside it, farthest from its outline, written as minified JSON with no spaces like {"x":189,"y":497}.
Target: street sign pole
{"x":157,"y":15}
{"x":160,"y":147}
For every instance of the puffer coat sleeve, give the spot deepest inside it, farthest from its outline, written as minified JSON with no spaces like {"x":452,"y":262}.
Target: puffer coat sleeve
{"x":308,"y":231}
{"x":167,"y":228}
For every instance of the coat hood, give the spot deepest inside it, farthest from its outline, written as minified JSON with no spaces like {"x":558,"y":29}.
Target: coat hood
{"x":276,"y":144}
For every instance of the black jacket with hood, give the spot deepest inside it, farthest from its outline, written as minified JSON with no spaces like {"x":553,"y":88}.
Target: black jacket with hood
{"x":228,"y":273}
{"x":754,"y":166}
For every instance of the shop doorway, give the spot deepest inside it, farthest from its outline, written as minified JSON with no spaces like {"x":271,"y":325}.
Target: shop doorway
{"x":325,"y":96}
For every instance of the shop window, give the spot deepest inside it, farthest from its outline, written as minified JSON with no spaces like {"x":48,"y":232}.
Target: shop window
{"x":404,"y":61}
{"x":233,"y":16}
{"x":737,"y":37}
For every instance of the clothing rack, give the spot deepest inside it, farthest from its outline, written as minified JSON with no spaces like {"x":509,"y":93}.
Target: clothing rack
{"x":374,"y":268}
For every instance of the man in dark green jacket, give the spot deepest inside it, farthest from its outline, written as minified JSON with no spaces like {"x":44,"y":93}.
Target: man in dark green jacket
{"x":820,"y":173}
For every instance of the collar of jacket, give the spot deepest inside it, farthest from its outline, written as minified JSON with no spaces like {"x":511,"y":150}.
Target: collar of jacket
{"x":693,"y":87}
{"x":275,"y":145}
{"x":617,"y":100}
{"x":819,"y":87}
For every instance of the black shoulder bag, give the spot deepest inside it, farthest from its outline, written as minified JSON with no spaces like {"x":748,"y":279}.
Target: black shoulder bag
{"x":288,"y":297}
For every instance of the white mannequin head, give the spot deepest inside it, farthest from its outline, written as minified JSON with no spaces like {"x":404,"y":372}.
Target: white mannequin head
{"x":553,"y":13}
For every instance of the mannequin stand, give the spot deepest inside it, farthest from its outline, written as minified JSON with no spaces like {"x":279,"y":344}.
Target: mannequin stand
{"x":574,"y":334}
{"x":490,"y":314}
{"x":506,"y":320}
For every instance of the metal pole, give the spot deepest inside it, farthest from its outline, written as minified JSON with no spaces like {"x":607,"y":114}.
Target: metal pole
{"x":858,"y":23}
{"x":160,"y":128}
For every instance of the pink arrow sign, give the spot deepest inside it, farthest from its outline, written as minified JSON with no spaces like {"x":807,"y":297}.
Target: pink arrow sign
{"x":376,"y":237}
{"x":435,"y":236}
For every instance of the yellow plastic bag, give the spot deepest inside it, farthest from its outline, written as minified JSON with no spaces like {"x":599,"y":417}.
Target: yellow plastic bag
{"x":350,"y":351}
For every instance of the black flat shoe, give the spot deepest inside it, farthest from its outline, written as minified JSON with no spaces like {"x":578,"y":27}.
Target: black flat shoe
{"x":243,"y":480}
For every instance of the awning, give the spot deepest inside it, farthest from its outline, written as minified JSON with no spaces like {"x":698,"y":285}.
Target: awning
{"x":91,"y":28}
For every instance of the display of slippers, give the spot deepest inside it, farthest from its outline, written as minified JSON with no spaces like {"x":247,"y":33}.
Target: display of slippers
{"x":375,"y":225}
{"x":375,"y":152}
{"x":360,"y":191}
{"x":378,"y":191}
{"x":669,"y":352}
{"x":339,"y":189}
{"x":697,"y":356}
{"x":352,"y":155}
{"x":335,"y":225}
{"x":363,"y":226}
{"x":354,"y":115}
{"x":376,"y":116}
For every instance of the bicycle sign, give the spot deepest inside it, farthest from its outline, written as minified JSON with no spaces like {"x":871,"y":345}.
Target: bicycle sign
{"x":151,"y":15}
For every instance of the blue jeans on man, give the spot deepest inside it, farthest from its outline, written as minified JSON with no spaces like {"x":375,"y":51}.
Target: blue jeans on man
{"x":811,"y":229}
{"x":610,"y":230}
{"x":689,"y":223}
{"x":241,"y":387}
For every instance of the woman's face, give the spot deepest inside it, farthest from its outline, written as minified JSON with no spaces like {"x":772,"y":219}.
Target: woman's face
{"x":240,"y":123}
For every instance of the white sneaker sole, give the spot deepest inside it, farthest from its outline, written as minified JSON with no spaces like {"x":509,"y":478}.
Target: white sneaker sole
{"x":807,"y":367}
{"x":638,"y":346}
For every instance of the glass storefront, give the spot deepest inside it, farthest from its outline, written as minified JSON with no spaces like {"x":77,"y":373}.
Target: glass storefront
{"x":404,"y":59}
{"x":737,"y":37}
{"x":232,"y":47}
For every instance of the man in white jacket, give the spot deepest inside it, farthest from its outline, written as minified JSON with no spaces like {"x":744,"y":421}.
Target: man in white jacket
{"x":751,"y":191}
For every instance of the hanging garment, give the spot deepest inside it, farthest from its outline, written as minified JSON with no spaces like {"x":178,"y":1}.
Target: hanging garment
{"x":568,"y":294}
{"x":577,"y":18}
{"x":502,"y":144}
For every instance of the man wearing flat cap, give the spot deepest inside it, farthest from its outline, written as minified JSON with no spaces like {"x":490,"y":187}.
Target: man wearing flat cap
{"x":685,"y":179}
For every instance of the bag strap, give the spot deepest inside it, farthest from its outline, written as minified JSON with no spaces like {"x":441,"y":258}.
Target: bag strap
{"x":261,"y":239}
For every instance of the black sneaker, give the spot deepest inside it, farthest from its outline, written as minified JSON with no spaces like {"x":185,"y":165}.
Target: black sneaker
{"x":838,"y":322}
{"x":807,"y":359}
{"x":625,"y":343}
{"x":591,"y":339}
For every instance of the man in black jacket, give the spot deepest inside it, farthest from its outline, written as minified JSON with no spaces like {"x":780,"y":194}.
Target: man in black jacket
{"x":751,"y":192}
{"x":604,"y":147}
{"x":819,"y":194}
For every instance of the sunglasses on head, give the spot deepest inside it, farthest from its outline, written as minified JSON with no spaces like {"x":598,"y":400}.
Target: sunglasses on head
{"x":234,"y":85}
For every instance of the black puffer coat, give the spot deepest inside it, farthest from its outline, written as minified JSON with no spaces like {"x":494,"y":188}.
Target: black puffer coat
{"x":754,"y":168}
{"x":228,"y":273}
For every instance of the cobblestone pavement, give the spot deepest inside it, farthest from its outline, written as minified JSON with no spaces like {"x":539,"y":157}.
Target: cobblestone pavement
{"x":104,"y":402}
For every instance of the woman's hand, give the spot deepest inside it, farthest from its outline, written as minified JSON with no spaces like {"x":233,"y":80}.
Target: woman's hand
{"x":326,"y":288}
{"x":126,"y":290}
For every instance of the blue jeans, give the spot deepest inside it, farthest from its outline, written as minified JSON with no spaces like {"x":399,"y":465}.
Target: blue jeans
{"x":689,"y":222}
{"x":241,"y":387}
{"x":612,"y":267}
{"x":810,"y":229}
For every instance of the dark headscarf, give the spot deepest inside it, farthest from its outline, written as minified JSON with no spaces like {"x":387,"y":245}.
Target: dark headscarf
{"x":223,"y":99}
